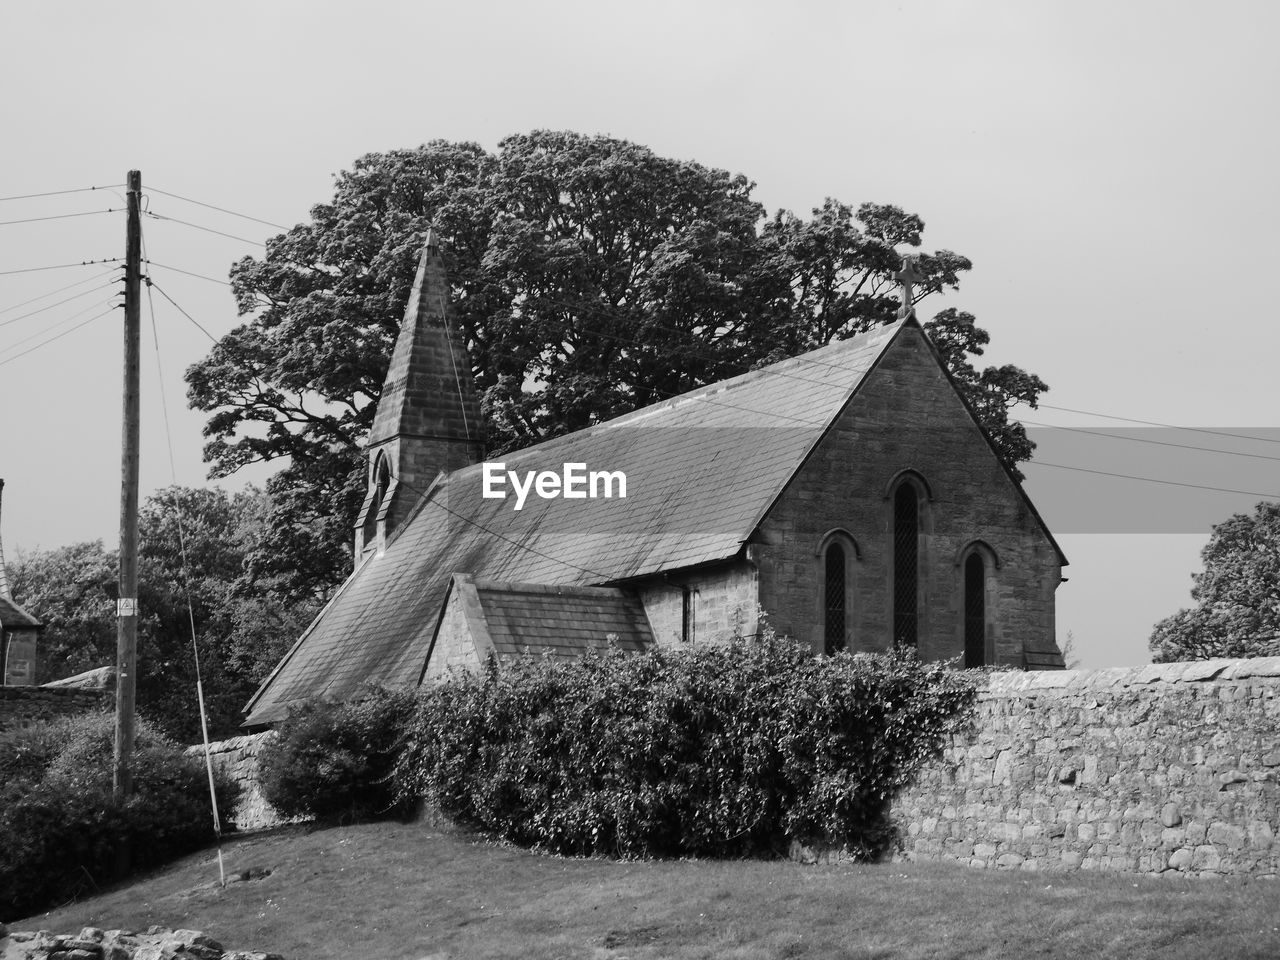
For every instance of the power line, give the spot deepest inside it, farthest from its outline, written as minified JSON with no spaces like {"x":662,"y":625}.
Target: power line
{"x":196,"y":226}
{"x":801,"y":358}
{"x":58,"y":337}
{"x":1171,"y":483}
{"x":39,"y":333}
{"x":51,"y":293}
{"x":185,"y":570}
{"x":809,"y":360}
{"x":494,"y":533}
{"x":1154,"y":423}
{"x":200,"y":203}
{"x":60,"y":216}
{"x":151,"y":283}
{"x":60,"y":266}
{"x":199,"y":276}
{"x":58,"y":303}
{"x":1159,"y":443}
{"x":59,"y":193}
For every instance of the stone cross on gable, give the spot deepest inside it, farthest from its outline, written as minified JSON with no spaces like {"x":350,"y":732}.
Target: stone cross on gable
{"x":907,"y":276}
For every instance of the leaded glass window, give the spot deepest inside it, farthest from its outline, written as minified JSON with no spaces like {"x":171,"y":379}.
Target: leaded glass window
{"x":975,"y":611}
{"x":834,"y":593}
{"x":906,"y":576}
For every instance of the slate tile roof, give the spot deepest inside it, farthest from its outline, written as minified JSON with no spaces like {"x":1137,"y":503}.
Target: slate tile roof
{"x":701,"y":469}
{"x":13,"y":616}
{"x":560,"y":620}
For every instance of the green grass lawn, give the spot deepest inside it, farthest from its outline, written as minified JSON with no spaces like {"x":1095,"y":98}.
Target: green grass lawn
{"x":387,"y":891}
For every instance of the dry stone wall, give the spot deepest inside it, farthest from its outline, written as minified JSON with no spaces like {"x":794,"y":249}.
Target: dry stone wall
{"x":91,"y":943}
{"x":1170,"y":768}
{"x":238,"y":758}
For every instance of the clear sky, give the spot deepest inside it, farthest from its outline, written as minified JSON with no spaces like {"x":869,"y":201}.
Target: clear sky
{"x":1110,"y":168}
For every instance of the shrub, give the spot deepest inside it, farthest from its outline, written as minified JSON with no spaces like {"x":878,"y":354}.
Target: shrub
{"x":332,"y":761}
{"x":721,"y":750}
{"x":63,"y":836}
{"x":25,"y":754}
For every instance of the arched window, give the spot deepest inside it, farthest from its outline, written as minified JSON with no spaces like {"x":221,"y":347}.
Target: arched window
{"x":834,"y":600}
{"x":975,"y":610}
{"x":906,"y":564}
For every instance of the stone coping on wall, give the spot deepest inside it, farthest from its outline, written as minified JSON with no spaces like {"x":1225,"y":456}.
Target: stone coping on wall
{"x":1193,"y":671}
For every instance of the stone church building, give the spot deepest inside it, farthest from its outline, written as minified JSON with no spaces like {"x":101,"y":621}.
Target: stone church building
{"x":848,"y":494}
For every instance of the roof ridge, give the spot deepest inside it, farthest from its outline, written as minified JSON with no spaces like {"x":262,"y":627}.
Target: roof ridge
{"x":778,"y":366}
{"x":836,"y":347}
{"x":531,"y":586}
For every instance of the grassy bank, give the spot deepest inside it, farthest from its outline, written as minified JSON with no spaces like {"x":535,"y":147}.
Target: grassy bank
{"x":389,"y":891}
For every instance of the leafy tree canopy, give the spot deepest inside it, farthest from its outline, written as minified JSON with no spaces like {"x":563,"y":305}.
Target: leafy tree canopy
{"x":1237,"y":612}
{"x":241,"y":631}
{"x":591,"y":277}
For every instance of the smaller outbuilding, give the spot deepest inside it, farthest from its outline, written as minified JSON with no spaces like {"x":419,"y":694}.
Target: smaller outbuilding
{"x":19,"y":634}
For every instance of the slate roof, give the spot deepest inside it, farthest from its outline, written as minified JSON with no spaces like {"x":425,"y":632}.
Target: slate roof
{"x":13,"y":616}
{"x":514,"y":618}
{"x":702,"y":469}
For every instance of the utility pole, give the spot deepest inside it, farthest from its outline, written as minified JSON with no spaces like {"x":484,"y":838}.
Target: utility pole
{"x":127,"y":599}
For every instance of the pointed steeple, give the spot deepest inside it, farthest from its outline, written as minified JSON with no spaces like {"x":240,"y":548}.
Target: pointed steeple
{"x":428,"y":416}
{"x":4,"y":574}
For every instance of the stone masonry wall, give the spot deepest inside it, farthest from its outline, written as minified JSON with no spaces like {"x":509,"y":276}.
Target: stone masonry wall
{"x":455,"y":648}
{"x":845,"y":490}
{"x":22,"y":706}
{"x":1171,"y":768}
{"x":724,"y":604}
{"x":238,"y":758}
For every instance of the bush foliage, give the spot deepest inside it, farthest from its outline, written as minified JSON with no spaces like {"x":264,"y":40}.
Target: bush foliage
{"x":61,"y":831}
{"x":333,"y":761}
{"x":723,"y":750}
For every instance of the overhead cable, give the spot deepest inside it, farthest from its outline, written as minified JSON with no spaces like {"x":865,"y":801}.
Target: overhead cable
{"x":196,"y":226}
{"x":58,"y":303}
{"x":58,"y":337}
{"x":59,"y":193}
{"x":210,"y":206}
{"x":1171,"y":483}
{"x":51,"y":293}
{"x":60,"y":266}
{"x":60,"y":216}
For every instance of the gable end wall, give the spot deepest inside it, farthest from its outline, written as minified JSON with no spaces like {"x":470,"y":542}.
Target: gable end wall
{"x":843,"y":485}
{"x":455,"y":647}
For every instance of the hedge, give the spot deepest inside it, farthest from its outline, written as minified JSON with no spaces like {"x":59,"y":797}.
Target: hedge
{"x":720,"y":750}
{"x":333,"y":761}
{"x":61,"y":831}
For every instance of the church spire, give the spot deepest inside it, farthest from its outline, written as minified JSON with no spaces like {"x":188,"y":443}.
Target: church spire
{"x":4,"y":575}
{"x":428,"y":416}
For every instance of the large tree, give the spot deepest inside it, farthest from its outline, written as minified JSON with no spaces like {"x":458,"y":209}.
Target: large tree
{"x":591,"y":277}
{"x":1237,"y":594}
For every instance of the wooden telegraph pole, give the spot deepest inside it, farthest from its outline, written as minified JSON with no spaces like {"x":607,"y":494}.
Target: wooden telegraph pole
{"x":127,"y":600}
